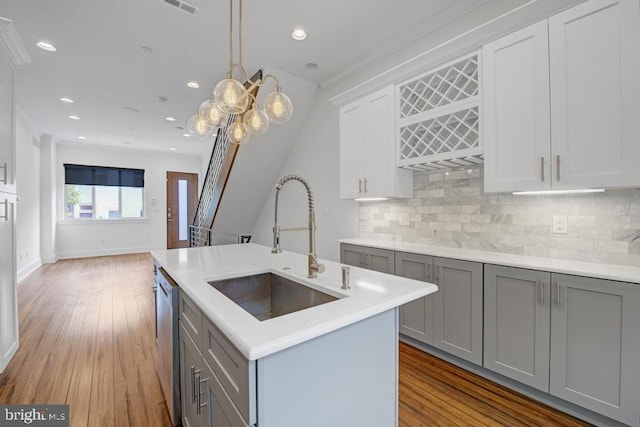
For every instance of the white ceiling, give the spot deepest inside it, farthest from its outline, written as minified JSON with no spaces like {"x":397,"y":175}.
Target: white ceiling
{"x":100,"y":62}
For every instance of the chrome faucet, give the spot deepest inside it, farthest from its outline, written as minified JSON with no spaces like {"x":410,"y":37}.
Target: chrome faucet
{"x":314,"y":266}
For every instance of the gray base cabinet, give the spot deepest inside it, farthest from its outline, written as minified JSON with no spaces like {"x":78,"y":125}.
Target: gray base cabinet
{"x":416,"y":317}
{"x":458,"y":308}
{"x":516,"y":324}
{"x":574,"y":337}
{"x":382,"y":260}
{"x":343,"y":378}
{"x":595,"y":345}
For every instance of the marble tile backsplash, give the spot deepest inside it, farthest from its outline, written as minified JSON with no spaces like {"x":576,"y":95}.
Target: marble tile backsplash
{"x":451,"y":209}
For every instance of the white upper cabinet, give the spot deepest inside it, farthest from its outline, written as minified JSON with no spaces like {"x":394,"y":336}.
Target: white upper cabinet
{"x":367,"y":149}
{"x":560,"y":101}
{"x":7,"y":145}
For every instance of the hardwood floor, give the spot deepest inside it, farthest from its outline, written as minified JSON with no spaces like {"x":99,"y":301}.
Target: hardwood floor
{"x":86,"y":339}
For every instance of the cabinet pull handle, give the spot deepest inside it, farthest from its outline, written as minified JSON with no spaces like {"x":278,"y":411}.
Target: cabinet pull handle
{"x":557,"y":285}
{"x":428,"y":272}
{"x":359,"y":185}
{"x":365,"y":185}
{"x":541,"y":169}
{"x":558,"y":167}
{"x":6,"y":210}
{"x":541,"y":293}
{"x":4,"y":173}
{"x":199,"y":403}
{"x":194,"y":375}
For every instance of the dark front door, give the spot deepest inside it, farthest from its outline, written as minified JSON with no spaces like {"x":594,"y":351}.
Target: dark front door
{"x":182,"y":196}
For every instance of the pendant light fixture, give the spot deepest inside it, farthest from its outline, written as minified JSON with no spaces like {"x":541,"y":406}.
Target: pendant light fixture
{"x":230,"y":98}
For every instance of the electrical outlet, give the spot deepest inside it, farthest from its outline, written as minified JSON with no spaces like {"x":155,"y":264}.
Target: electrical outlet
{"x":559,"y":224}
{"x":404,"y":219}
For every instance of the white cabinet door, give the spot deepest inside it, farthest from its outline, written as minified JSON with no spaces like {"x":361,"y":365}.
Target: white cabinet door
{"x":572,"y":82}
{"x":595,"y":64}
{"x":8,"y":289}
{"x":515,"y":111}
{"x":367,"y":149}
{"x":458,"y":308}
{"x":350,"y":152}
{"x":7,"y":146}
{"x":516,"y":324}
{"x":595,"y":345}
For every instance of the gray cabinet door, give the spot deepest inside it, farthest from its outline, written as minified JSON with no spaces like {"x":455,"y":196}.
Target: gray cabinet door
{"x":352,"y":255}
{"x":416,"y":317}
{"x":595,"y":345}
{"x":516,"y":324}
{"x":190,"y":374}
{"x":381,"y":260}
{"x":218,"y":409}
{"x":458,"y":308}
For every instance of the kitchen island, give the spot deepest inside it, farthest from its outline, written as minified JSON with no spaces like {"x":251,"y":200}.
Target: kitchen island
{"x":332,"y":364}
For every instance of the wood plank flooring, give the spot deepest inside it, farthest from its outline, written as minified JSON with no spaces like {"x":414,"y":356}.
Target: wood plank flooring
{"x":86,"y":339}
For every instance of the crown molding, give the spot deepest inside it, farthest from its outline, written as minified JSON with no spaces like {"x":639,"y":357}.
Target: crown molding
{"x":440,"y":46}
{"x":11,"y":45}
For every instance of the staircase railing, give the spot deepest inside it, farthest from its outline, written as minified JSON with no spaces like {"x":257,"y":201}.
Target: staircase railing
{"x":223,"y":156}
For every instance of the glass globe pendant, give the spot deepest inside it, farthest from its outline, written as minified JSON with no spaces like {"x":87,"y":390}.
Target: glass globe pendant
{"x":199,"y":127}
{"x":278,"y":107}
{"x":210,"y":112}
{"x":230,"y":96}
{"x":237,"y":133}
{"x":256,"y":121}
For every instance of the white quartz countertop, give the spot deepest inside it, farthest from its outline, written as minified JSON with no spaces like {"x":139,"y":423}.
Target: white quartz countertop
{"x":371,"y":293}
{"x":602,"y":271}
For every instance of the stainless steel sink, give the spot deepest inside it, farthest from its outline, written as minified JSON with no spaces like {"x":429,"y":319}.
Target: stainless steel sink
{"x":268,"y":295}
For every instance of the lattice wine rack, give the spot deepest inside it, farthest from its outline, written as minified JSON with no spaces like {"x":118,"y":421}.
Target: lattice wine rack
{"x":438,"y":117}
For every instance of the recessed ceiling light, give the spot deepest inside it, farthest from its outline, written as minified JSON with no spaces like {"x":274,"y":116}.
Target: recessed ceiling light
{"x":46,"y":46}
{"x":125,"y":142}
{"x":67,"y":100}
{"x":186,"y":135}
{"x":193,"y":85}
{"x":74,"y":117}
{"x":310,"y":66}
{"x":82,"y":138}
{"x":146,"y":49}
{"x":172,"y":149}
{"x":170,"y":119}
{"x":299,"y":34}
{"x":130,"y":109}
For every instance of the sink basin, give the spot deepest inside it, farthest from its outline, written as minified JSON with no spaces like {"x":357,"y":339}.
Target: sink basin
{"x":268,"y":295}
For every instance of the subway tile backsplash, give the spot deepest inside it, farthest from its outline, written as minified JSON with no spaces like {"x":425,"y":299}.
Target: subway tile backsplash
{"x":451,"y":209}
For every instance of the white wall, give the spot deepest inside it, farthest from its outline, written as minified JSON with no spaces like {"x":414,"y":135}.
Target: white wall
{"x":315,"y":157}
{"x":81,"y":238}
{"x":28,"y":189}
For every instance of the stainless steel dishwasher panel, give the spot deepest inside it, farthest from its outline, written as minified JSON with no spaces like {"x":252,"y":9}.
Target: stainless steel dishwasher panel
{"x":167,"y":342}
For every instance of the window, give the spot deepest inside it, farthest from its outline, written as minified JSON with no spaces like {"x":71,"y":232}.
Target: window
{"x":97,"y":192}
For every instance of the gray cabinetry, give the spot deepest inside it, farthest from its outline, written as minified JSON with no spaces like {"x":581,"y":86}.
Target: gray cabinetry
{"x":458,"y":308}
{"x":381,"y":260}
{"x":416,"y":317}
{"x":516,"y":324}
{"x":190,"y":371}
{"x":217,"y":384}
{"x":595,"y":345}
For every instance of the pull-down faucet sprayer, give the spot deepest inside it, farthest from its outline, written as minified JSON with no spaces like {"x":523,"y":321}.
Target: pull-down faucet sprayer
{"x":313,"y":266}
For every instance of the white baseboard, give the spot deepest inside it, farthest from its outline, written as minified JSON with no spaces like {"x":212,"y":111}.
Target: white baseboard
{"x":105,"y":252}
{"x":26,"y":271}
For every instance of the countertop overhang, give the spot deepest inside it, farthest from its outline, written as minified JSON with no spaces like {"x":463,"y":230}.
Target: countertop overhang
{"x":371,"y":293}
{"x":620,"y":273}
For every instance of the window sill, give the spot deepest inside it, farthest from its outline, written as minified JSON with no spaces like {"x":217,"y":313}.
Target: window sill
{"x":103,"y":221}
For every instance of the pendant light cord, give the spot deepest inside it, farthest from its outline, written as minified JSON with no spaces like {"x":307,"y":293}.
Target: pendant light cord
{"x":240,"y":36}
{"x":230,"y":36}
